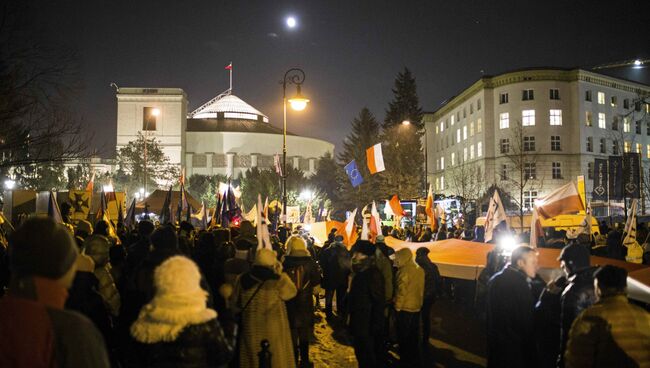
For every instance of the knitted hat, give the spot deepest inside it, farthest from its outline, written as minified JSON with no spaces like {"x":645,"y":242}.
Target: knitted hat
{"x":265,"y":257}
{"x":41,"y":247}
{"x":296,"y":247}
{"x":177,"y":275}
{"x":364,"y":247}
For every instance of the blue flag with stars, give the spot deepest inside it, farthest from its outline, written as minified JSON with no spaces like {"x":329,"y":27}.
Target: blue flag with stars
{"x":353,"y":173}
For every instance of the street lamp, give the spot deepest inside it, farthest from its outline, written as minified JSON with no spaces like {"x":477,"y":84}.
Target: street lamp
{"x":10,"y":184}
{"x":298,"y":102}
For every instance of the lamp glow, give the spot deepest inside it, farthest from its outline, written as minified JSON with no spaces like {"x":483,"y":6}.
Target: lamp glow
{"x":298,"y":103}
{"x":291,"y":22}
{"x":406,"y":122}
{"x":637,"y":62}
{"x":10,"y":184}
{"x":155,"y":112}
{"x":306,"y":194}
{"x":107,"y":188}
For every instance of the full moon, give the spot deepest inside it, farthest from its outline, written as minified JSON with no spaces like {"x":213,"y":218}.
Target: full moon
{"x":291,"y":22}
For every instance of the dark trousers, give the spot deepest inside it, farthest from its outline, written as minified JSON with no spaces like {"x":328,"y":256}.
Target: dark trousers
{"x":364,"y":350}
{"x":300,"y":337}
{"x":341,"y":295}
{"x":425,"y":313}
{"x":408,"y":337}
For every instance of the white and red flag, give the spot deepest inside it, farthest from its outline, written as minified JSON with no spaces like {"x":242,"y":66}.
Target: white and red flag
{"x":563,"y":200}
{"x":229,"y":66}
{"x":375,"y":159}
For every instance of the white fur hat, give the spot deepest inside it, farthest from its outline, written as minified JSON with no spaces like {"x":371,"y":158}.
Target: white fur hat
{"x":177,"y":275}
{"x":265,"y":257}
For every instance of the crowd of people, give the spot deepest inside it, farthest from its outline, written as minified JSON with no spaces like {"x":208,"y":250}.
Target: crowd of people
{"x":173,"y":296}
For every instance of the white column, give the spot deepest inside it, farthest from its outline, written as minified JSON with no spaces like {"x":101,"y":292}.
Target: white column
{"x":254,"y":160}
{"x":208,"y":163}
{"x":312,"y":165}
{"x":296,"y":162}
{"x":188,"y":164}
{"x":230,"y":164}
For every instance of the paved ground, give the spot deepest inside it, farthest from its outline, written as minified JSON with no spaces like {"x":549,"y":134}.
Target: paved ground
{"x":458,"y":339}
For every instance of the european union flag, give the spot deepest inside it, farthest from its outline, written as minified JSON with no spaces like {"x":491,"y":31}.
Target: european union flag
{"x":353,"y":173}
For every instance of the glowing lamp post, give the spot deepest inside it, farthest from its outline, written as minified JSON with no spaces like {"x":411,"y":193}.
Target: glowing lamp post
{"x":298,"y":102}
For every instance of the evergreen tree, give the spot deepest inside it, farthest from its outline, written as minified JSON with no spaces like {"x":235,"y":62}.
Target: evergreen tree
{"x":364,"y":134}
{"x":328,"y":179}
{"x":402,"y":147}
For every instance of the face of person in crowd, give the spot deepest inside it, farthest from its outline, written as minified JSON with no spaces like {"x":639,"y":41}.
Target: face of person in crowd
{"x":529,"y":264}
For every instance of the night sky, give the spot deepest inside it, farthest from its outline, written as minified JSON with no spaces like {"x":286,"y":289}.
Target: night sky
{"x":350,"y":50}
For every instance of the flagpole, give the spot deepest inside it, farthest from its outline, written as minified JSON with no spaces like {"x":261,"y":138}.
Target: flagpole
{"x":230,"y":76}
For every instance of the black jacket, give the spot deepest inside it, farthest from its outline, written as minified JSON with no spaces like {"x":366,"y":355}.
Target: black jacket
{"x":432,"y":279}
{"x":305,"y":274}
{"x":335,"y":262}
{"x":366,"y":302}
{"x":577,"y":296}
{"x":84,"y":298}
{"x":548,"y":324}
{"x":202,"y":345}
{"x":510,"y":326}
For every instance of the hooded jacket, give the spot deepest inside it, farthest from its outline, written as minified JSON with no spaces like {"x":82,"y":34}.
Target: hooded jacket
{"x":409,"y":293}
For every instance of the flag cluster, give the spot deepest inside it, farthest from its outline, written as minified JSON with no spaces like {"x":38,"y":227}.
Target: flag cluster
{"x":374,"y":160}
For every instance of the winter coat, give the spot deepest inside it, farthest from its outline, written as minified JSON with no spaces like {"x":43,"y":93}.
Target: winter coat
{"x":432,"y":278}
{"x":611,"y":333}
{"x":198,"y":345}
{"x":335,"y":262}
{"x":85,"y":299}
{"x":385,"y":266}
{"x":577,"y":296}
{"x":385,"y":249}
{"x":305,"y":274}
{"x":366,"y":302}
{"x":107,"y":289}
{"x":615,"y":248}
{"x":35,"y":330}
{"x":548,"y":325}
{"x":510,"y":327}
{"x":265,"y":316}
{"x":409,"y":290}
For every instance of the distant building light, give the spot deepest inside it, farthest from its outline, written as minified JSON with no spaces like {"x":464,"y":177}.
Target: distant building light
{"x":10,"y":184}
{"x":637,"y":62}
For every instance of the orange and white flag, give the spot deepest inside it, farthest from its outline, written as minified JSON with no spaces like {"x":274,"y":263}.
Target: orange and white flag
{"x":375,"y":159}
{"x":430,"y":210}
{"x":91,"y":184}
{"x":563,"y":200}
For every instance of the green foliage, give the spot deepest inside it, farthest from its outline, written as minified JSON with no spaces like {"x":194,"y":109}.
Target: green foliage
{"x":364,"y":134}
{"x":78,"y":176}
{"x":328,"y":179}
{"x":269,"y":184}
{"x":402,"y":146}
{"x":131,"y":163}
{"x":42,"y":176}
{"x":204,"y":187}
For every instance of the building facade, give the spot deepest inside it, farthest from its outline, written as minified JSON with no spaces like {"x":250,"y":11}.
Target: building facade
{"x":535,"y":129}
{"x":223,"y":136}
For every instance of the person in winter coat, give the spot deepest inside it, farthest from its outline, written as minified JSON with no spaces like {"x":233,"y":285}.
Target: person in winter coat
{"x":260,"y":296}
{"x":35,"y":329}
{"x":613,"y":332}
{"x":97,"y":248}
{"x":247,"y":236}
{"x":305,"y":274}
{"x":409,"y":295}
{"x":579,"y":293}
{"x":548,"y":325}
{"x":380,"y":242}
{"x":510,"y":324}
{"x":615,"y":247}
{"x":432,"y":288}
{"x":176,"y":329}
{"x":442,"y":234}
{"x":365,"y":304}
{"x":335,"y":262}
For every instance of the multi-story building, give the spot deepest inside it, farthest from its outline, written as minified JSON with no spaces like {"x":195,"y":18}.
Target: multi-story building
{"x":537,"y":128}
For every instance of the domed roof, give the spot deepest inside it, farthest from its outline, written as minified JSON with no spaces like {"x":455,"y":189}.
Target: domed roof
{"x":231,"y":107}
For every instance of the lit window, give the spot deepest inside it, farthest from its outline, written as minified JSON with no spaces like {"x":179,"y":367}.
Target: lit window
{"x":601,"y":98}
{"x":149,"y":117}
{"x":626,"y":125}
{"x":442,"y":126}
{"x":504,"y":120}
{"x":437,"y":129}
{"x":638,"y":148}
{"x":442,"y":163}
{"x":529,"y":198}
{"x":457,"y":135}
{"x":437,"y":183}
{"x":554,"y":94}
{"x":528,"y":117}
{"x":601,"y":120}
{"x":613,"y":101}
{"x":530,"y":170}
{"x":590,"y":144}
{"x":453,"y":158}
{"x":479,"y":125}
{"x":471,"y":152}
{"x":555,"y":143}
{"x":647,"y":154}
{"x":527,"y":95}
{"x":557,"y":170}
{"x":437,"y":164}
{"x":556,"y":117}
{"x":588,"y":119}
{"x":464,"y":132}
{"x":503,"y":98}
{"x":627,"y":147}
{"x":479,"y":149}
{"x":471,"y":129}
{"x":453,"y":119}
{"x":464,"y":154}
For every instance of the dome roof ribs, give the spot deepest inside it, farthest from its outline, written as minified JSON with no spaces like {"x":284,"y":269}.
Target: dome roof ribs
{"x":207,"y":104}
